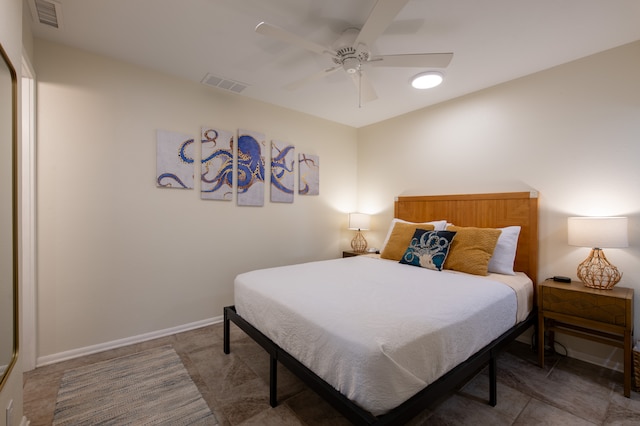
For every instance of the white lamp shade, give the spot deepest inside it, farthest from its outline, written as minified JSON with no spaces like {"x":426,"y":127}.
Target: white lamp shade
{"x":598,"y":232}
{"x":359,"y":221}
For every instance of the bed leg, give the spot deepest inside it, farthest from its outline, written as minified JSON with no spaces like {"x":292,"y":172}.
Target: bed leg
{"x":493,"y":385}
{"x":273,"y":381}
{"x":227,"y":330}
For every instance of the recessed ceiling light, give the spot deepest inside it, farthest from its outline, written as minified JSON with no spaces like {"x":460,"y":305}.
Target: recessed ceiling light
{"x":427,"y":80}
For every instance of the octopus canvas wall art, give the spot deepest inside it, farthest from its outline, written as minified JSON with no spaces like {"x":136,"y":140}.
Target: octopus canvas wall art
{"x":308,"y":174}
{"x":216,"y":177}
{"x":250,"y":173}
{"x":174,"y":160}
{"x":282,"y":172}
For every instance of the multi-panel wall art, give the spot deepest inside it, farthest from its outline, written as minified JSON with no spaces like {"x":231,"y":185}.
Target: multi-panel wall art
{"x":216,"y":178}
{"x":250,"y":177}
{"x":227,"y":162}
{"x":174,"y":161}
{"x":309,"y":174}
{"x":282,"y":169}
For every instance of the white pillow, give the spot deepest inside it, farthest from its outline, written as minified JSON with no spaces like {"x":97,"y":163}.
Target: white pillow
{"x":505,"y":252}
{"x":439,"y":225}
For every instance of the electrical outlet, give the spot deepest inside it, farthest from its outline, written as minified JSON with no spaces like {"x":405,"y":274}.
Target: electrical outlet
{"x":9,"y":412}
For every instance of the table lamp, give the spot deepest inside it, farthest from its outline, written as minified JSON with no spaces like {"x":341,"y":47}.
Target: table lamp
{"x":359,"y":222}
{"x":598,"y":233}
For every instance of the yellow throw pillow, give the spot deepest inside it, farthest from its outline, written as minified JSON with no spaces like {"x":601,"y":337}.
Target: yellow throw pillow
{"x":400,"y":238}
{"x":471,"y":249}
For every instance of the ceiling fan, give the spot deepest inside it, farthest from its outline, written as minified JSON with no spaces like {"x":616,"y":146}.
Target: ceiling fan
{"x":351,"y":51}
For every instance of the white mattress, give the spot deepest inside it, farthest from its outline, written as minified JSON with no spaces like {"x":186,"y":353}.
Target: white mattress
{"x":377,"y":330}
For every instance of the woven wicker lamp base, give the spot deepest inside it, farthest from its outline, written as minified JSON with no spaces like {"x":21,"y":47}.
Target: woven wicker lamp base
{"x":359,"y":244}
{"x":596,"y":271}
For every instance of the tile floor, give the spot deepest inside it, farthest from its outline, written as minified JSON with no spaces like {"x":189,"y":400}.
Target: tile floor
{"x":565,"y":392}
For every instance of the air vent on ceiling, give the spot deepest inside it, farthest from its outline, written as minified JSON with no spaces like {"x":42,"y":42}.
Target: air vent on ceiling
{"x":46,"y":12}
{"x":224,"y":83}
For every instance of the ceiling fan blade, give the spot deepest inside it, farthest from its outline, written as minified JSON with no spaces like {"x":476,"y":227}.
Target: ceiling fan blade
{"x":291,"y":38}
{"x":310,"y":79}
{"x":417,"y":60}
{"x":365,"y":89}
{"x":382,"y":14}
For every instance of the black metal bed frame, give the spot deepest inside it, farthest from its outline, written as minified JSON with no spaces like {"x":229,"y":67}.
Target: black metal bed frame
{"x":354,"y":413}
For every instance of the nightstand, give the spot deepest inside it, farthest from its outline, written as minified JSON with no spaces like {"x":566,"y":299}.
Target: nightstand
{"x":349,"y":253}
{"x":604,"y":316}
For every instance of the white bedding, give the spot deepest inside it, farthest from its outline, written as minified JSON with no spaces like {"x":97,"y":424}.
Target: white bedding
{"x":377,"y":330}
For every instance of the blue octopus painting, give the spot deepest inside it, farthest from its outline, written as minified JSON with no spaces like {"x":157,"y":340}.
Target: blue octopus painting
{"x":282,"y":163}
{"x":174,"y":167}
{"x":250,"y":181}
{"x":216,"y":161}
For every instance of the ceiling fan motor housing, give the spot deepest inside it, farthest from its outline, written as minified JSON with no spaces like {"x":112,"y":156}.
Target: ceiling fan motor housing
{"x":350,"y":59}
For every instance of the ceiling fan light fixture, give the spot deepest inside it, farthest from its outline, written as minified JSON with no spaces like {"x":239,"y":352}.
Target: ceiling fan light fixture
{"x":427,"y":80}
{"x":351,"y":65}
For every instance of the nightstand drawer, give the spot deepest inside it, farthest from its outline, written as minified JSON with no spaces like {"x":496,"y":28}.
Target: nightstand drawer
{"x":597,"y":307}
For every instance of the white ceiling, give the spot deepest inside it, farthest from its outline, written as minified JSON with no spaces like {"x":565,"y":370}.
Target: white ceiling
{"x":493,"y":41}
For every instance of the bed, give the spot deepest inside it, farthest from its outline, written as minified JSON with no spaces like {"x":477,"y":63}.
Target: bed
{"x":379,"y":339}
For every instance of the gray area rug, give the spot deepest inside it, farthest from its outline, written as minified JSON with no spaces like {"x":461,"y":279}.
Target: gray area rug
{"x":146,"y":388}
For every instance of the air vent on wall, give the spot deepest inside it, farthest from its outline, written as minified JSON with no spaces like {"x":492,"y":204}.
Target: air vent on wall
{"x":46,"y":12}
{"x":224,"y":83}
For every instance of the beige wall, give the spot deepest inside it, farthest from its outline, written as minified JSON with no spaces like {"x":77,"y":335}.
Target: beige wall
{"x":11,"y":39}
{"x":118,"y":257}
{"x":571,"y":132}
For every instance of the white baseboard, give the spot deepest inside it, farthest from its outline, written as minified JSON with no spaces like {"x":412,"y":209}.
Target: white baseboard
{"x":611,"y":364}
{"x":75,"y":353}
{"x":611,"y":361}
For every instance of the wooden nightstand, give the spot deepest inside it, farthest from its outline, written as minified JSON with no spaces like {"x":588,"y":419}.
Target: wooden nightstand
{"x":604,"y":316}
{"x":349,"y":253}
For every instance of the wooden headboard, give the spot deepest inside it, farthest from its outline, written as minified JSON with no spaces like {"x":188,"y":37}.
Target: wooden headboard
{"x":485,"y":211}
